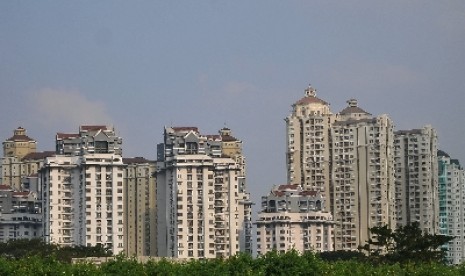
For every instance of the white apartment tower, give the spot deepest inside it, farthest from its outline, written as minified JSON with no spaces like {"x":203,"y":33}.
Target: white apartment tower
{"x":83,"y":190}
{"x":416,"y":165}
{"x":362,"y":175}
{"x":292,"y":218}
{"x":308,"y":156}
{"x":452,"y":206}
{"x":203,"y":209}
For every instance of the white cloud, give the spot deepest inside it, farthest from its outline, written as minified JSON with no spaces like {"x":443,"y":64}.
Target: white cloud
{"x":67,"y":108}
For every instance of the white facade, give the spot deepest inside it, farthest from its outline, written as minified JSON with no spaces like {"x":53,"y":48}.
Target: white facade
{"x":293,"y":219}
{"x":416,"y":174}
{"x":308,"y":144}
{"x":83,"y":200}
{"x":83,"y":190}
{"x":203,"y":207}
{"x":362,"y":175}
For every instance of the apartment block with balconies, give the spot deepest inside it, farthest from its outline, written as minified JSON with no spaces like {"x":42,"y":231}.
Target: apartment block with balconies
{"x":204,"y":209}
{"x":292,"y":218}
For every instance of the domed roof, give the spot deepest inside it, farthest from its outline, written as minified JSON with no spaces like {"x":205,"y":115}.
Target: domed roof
{"x":310,"y":97}
{"x":353,"y":108}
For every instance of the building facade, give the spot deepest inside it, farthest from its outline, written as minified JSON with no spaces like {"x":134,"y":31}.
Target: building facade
{"x":20,"y":214}
{"x":451,"y":206}
{"x":307,"y":153}
{"x":292,"y":218}
{"x":83,"y":190}
{"x":20,"y":159}
{"x":139,"y":195}
{"x":362,"y":175}
{"x":203,"y":208}
{"x":416,"y":165}
{"x":19,"y":145}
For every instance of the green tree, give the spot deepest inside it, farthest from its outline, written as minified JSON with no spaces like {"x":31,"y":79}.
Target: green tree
{"x":406,"y":244}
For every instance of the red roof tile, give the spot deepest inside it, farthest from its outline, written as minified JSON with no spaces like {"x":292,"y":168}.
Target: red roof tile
{"x":20,"y":194}
{"x":309,"y":100}
{"x":20,"y":138}
{"x":308,"y":193}
{"x":228,"y":138}
{"x":38,"y":155}
{"x":67,"y":135}
{"x":278,"y":193}
{"x":5,"y":187}
{"x":288,"y":186}
{"x":94,"y":127}
{"x":185,"y":129}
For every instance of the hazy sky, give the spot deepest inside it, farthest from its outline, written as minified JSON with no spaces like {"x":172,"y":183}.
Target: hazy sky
{"x":143,"y":65}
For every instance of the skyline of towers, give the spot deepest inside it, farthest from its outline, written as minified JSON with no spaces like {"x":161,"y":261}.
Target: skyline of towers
{"x":359,"y":170}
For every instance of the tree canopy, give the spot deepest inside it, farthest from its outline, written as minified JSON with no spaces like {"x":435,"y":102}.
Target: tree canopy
{"x":22,"y":248}
{"x":406,"y":244}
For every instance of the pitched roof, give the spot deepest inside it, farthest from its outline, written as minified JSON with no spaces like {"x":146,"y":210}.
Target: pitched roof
{"x":93,"y":127}
{"x":406,"y":132}
{"x":288,"y":186}
{"x":353,"y":109}
{"x":185,"y":129}
{"x":228,"y":138}
{"x":38,"y":155}
{"x":308,"y":193}
{"x":67,"y":135}
{"x":20,"y":138}
{"x":309,"y":100}
{"x":443,"y":153}
{"x":136,"y":160}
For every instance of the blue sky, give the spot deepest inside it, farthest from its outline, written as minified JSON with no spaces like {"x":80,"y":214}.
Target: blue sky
{"x":143,"y":65}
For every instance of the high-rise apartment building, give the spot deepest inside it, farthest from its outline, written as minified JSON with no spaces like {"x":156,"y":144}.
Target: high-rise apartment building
{"x":308,"y":156}
{"x":139,"y":196}
{"x":362,"y":175}
{"x":203,"y":208}
{"x":83,"y":190}
{"x":451,"y":206}
{"x":349,"y":158}
{"x":292,"y":218}
{"x":416,"y":165}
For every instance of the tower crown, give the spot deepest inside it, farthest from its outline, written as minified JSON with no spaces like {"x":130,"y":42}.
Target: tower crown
{"x":310,"y":91}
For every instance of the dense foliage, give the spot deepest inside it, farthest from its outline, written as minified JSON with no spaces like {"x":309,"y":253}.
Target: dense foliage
{"x":406,"y":244}
{"x":405,"y":251}
{"x":272,"y":263}
{"x":22,"y":248}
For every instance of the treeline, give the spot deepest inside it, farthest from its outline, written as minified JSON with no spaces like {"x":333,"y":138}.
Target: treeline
{"x":24,"y":248}
{"x":272,"y":263}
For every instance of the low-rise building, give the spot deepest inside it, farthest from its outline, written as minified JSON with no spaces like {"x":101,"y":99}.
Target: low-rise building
{"x":20,"y":215}
{"x":292,"y":218}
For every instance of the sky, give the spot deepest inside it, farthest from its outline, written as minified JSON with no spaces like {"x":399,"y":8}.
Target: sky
{"x":143,"y":65}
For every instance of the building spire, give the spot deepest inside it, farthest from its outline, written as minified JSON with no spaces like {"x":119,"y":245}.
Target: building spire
{"x":310,"y":91}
